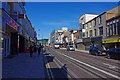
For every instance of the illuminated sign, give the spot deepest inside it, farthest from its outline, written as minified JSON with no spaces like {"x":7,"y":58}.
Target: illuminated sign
{"x":9,"y":21}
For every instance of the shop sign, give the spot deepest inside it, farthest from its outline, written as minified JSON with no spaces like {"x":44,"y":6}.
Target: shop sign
{"x":111,"y":40}
{"x":10,"y":21}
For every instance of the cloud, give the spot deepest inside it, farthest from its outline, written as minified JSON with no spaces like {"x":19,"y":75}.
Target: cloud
{"x":65,"y":22}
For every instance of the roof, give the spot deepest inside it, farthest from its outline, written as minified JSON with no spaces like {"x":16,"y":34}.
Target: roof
{"x":114,"y":10}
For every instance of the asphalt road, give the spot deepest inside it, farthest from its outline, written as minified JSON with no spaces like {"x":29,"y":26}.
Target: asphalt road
{"x":65,"y":64}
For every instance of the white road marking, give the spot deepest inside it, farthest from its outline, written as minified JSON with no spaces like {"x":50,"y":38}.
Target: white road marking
{"x":68,"y":70}
{"x":111,"y":66}
{"x":115,"y":76}
{"x":48,"y":68}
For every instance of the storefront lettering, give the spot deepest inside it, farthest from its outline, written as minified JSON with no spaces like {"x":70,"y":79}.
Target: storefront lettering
{"x":10,"y":21}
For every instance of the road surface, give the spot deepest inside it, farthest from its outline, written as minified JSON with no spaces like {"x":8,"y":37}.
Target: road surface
{"x":66,"y":65}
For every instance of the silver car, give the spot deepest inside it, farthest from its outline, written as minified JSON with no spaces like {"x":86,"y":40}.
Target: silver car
{"x":70,"y":48}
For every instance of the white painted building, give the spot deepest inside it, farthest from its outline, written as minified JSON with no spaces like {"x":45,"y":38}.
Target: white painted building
{"x":86,"y":17}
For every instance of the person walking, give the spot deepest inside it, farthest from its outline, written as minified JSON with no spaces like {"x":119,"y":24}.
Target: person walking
{"x":39,"y":50}
{"x":34,"y":48}
{"x":31,"y":50}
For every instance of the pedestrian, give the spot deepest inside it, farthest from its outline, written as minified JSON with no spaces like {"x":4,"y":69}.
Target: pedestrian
{"x":39,"y":50}
{"x":31,"y":50}
{"x":42,"y":48}
{"x":34,"y":48}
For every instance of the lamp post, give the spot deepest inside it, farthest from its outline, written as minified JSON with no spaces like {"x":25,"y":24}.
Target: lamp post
{"x":42,"y":39}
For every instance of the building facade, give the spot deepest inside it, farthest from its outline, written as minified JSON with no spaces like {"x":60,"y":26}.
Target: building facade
{"x":82,"y":21}
{"x":14,"y":29}
{"x":96,"y":31}
{"x":112,"y":39}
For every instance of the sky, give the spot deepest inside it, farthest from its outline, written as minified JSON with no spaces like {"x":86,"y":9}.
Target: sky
{"x":47,"y":16}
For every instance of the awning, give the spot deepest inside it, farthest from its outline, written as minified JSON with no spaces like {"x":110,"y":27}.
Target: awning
{"x":114,"y":40}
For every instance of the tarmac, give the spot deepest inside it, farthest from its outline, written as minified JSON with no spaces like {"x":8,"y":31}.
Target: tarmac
{"x":23,"y":66}
{"x":84,"y":51}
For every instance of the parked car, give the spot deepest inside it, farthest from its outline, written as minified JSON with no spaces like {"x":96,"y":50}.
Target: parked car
{"x":70,"y":48}
{"x":97,"y":50}
{"x":113,"y":53}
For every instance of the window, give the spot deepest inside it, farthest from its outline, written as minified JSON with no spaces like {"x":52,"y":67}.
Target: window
{"x":111,"y":30}
{"x":83,"y":27}
{"x":87,"y":34}
{"x":114,"y":28}
{"x":90,"y":24}
{"x":118,"y":28}
{"x":86,"y":25}
{"x":15,"y":16}
{"x":95,"y":22}
{"x":106,"y":31}
{"x":90,"y":33}
{"x":95,"y":31}
{"x":83,"y":34}
{"x":99,"y":20}
{"x":6,"y":7}
{"x":100,"y":30}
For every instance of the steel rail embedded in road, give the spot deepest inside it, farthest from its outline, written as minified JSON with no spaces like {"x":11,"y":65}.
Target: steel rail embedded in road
{"x":90,"y":66}
{"x":59,"y":65}
{"x":108,"y":68}
{"x":84,"y":69}
{"x":68,"y":71}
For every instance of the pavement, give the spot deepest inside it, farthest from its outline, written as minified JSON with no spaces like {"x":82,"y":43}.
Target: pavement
{"x":84,"y":51}
{"x":24,"y":66}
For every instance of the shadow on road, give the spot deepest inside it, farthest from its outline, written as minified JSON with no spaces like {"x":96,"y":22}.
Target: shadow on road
{"x":49,"y":58}
{"x":57,"y":72}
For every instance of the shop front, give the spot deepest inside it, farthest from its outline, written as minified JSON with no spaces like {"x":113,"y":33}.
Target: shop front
{"x":9,"y":35}
{"x":111,"y":43}
{"x":96,"y":41}
{"x":87,"y":43}
{"x":79,"y":44}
